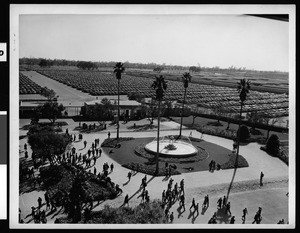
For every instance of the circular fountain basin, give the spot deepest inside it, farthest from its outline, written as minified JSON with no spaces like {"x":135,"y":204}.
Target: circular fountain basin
{"x":182,"y":150}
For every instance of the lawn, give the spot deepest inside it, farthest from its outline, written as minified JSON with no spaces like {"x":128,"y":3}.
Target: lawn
{"x":125,"y":154}
{"x":187,"y":121}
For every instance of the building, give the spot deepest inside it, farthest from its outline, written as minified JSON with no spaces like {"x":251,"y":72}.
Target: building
{"x":127,"y":107}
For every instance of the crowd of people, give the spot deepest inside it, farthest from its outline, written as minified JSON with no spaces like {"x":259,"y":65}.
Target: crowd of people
{"x":81,"y":161}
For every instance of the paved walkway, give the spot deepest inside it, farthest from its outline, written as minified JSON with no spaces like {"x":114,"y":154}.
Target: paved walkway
{"x":273,"y":168}
{"x":66,"y":93}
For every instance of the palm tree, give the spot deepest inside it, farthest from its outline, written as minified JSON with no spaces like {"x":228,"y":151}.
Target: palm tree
{"x":243,"y":89}
{"x":160,"y":85}
{"x":186,"y":78}
{"x":118,"y":70}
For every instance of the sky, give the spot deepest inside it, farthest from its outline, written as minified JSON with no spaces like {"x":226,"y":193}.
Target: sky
{"x":173,"y":39}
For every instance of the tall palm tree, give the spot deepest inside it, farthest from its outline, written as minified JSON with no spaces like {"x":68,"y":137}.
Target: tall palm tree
{"x":186,"y":78}
{"x":243,"y":89}
{"x":160,"y":85}
{"x":118,"y":70}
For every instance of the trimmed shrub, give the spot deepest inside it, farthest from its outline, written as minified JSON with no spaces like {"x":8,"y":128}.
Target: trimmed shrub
{"x":273,"y":145}
{"x":214,"y":123}
{"x":231,"y":163}
{"x":244,"y":133}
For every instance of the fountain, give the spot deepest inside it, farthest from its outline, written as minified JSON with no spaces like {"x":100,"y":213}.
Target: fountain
{"x":171,"y":147}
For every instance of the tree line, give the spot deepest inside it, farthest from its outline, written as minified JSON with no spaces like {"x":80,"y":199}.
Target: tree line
{"x":43,"y":62}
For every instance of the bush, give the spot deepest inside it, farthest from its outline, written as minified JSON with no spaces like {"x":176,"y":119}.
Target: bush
{"x":144,"y":213}
{"x":45,"y":142}
{"x":273,"y":145}
{"x":255,"y":132}
{"x":244,"y":133}
{"x":229,"y":134}
{"x":284,"y":155}
{"x":214,"y":123}
{"x":242,"y":162}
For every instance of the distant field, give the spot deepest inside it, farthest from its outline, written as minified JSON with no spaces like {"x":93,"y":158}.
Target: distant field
{"x":102,"y":82}
{"x":261,"y":81}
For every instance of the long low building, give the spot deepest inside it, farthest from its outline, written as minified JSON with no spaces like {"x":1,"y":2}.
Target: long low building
{"x":127,"y":107}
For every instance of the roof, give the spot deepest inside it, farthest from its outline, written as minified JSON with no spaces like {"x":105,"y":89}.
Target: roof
{"x":29,"y":104}
{"x":29,"y":97}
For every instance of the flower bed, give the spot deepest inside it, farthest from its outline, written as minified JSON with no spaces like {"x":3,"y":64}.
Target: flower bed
{"x":148,"y":169}
{"x":242,"y":162}
{"x":113,"y":142}
{"x":142,"y":127}
{"x":229,"y":134}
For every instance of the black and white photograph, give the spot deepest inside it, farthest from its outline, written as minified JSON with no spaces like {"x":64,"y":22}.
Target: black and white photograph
{"x":152,"y":116}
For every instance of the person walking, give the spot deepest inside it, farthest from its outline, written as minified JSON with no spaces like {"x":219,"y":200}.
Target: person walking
{"x":261,"y":178}
{"x":182,"y":200}
{"x":163,"y":196}
{"x":197,"y":208}
{"x":108,"y":134}
{"x":259,"y":214}
{"x":126,"y":200}
{"x":257,"y":218}
{"x":32,"y":211}
{"x":47,"y":199}
{"x":84,"y":142}
{"x":228,"y":208}
{"x":224,"y":201}
{"x":111,"y":167}
{"x":167,"y":214}
{"x":40,"y":202}
{"x":43,"y":217}
{"x":95,"y":159}
{"x":129,"y":175}
{"x":232,"y":220}
{"x":182,"y":186}
{"x":245,"y":212}
{"x":26,"y":154}
{"x":219,"y":202}
{"x":171,"y":217}
{"x":142,"y":195}
{"x":206,"y":201}
{"x":193,"y":204}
